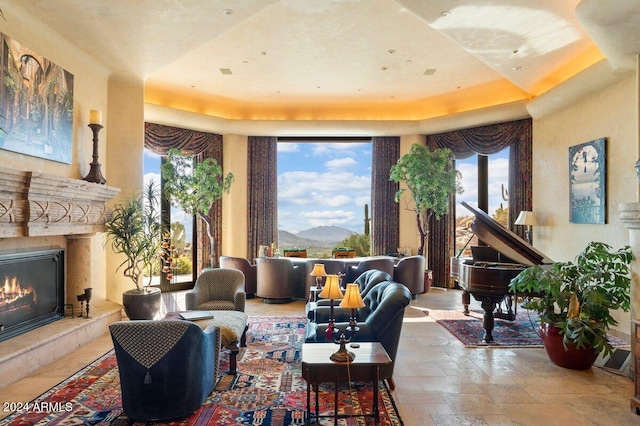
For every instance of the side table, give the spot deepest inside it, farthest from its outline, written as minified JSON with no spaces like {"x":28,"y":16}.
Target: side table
{"x":318,"y":368}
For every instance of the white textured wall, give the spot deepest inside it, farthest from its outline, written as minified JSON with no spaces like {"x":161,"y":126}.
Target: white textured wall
{"x":610,"y":113}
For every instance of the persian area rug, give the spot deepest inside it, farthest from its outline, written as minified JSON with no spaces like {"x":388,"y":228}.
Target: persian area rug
{"x":268,"y":389}
{"x":520,"y":333}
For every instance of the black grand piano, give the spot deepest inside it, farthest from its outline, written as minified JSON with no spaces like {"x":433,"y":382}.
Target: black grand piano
{"x":488,"y":273}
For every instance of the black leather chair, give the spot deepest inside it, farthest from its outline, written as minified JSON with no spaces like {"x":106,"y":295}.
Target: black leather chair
{"x":384,"y":312}
{"x":380,"y":263}
{"x":167,"y":368}
{"x":365,"y":282}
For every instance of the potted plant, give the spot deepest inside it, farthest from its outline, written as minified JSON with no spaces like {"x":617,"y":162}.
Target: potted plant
{"x":135,"y":231}
{"x":431,"y":179}
{"x":574,"y":301}
{"x":195,"y":187}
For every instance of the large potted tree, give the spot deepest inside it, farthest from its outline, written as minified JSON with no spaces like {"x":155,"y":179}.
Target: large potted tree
{"x":574,"y":301}
{"x":194,"y":187}
{"x":431,"y":179}
{"x":135,"y":231}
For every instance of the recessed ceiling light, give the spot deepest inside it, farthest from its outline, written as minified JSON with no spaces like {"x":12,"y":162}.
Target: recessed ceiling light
{"x":227,"y":12}
{"x":517,"y":68}
{"x":429,"y":71}
{"x":391,"y":51}
{"x":384,"y":68}
{"x":226,"y":71}
{"x":445,"y":13}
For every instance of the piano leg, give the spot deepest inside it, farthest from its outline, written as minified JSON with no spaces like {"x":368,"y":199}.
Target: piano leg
{"x":466,"y":301}
{"x":488,"y":304}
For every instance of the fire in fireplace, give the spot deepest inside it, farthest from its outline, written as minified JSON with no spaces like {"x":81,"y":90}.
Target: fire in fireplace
{"x":31,"y":290}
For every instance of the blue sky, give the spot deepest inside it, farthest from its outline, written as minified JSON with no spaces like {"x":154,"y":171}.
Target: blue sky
{"x":322,"y":184}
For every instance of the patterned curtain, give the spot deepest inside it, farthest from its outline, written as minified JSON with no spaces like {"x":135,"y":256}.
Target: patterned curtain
{"x":385,"y":212}
{"x":160,"y":139}
{"x":516,"y":135}
{"x":263,"y":190}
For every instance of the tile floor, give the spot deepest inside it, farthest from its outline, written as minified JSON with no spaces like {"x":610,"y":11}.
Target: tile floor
{"x":438,"y":381}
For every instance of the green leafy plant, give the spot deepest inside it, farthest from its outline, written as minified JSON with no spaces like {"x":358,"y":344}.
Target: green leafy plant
{"x":431,"y":179}
{"x":195,"y":187}
{"x":135,"y":230}
{"x":361,"y":243}
{"x":578,"y":297}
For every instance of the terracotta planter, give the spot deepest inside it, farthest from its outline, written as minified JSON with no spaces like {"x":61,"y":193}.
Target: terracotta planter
{"x":571,"y":357}
{"x":142,"y":305}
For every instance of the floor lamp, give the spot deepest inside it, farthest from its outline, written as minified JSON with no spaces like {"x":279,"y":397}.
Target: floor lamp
{"x":527,"y":219}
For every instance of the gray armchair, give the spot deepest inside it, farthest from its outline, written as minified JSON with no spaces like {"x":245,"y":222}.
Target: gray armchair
{"x":380,"y":263}
{"x":249,"y":271}
{"x":220,"y":289}
{"x":410,"y":272}
{"x":384,"y":313}
{"x":167,"y":368}
{"x":277,"y":279}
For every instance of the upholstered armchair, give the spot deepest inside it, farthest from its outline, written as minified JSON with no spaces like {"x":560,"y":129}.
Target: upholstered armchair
{"x":277,"y":279}
{"x":220,"y":289}
{"x":384,"y":312}
{"x":167,"y":368}
{"x":249,"y":271}
{"x":382,"y":263}
{"x":320,"y":308}
{"x":410,"y":272}
{"x":331,"y":267}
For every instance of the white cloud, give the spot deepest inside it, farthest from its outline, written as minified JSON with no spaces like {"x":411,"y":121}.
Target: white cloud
{"x":288,"y":147}
{"x":341,"y":163}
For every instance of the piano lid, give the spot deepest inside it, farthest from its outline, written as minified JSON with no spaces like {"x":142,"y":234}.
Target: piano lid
{"x":504,"y":241}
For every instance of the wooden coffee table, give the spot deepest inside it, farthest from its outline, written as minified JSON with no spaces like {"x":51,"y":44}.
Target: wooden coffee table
{"x":318,"y":368}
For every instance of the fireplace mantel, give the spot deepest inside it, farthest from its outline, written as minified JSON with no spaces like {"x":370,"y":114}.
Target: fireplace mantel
{"x":36,"y":204}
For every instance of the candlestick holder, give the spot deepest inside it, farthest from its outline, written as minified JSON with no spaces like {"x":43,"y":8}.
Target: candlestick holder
{"x":81,"y":299}
{"x":87,"y":296}
{"x":95,"y":175}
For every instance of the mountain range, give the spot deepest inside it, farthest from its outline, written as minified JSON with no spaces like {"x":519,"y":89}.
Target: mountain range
{"x":320,"y":236}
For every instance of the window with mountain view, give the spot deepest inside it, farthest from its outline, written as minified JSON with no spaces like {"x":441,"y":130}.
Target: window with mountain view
{"x":323,"y":188}
{"x":496,"y":194}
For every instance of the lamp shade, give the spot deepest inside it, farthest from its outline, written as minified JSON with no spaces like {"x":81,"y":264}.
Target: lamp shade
{"x":318,"y":270}
{"x":331,"y":288}
{"x":352,"y":298}
{"x":526,"y":218}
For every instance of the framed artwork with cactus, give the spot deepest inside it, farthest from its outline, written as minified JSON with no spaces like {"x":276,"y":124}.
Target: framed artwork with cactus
{"x":588,"y":182}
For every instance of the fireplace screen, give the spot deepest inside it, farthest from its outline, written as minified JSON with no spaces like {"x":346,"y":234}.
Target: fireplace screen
{"x":31,"y":290}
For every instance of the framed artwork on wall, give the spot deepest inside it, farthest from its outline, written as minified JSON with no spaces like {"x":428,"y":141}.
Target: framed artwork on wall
{"x":36,"y":104}
{"x":588,"y":182}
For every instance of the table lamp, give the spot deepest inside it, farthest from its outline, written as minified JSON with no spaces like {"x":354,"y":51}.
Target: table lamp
{"x":318,"y":272}
{"x":352,"y":300}
{"x":528,"y":219}
{"x":331,"y":290}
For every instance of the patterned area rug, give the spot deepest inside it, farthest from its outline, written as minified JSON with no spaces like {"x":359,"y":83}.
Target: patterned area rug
{"x":520,"y":333}
{"x":268,"y":389}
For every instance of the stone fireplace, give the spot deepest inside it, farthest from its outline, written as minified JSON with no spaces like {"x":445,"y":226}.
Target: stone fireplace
{"x":31,"y":290}
{"x":59,"y":217}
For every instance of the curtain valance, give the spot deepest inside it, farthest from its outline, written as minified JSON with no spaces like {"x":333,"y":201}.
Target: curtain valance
{"x":160,"y":138}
